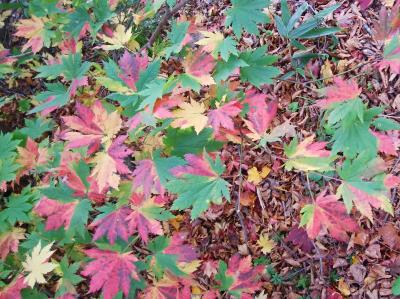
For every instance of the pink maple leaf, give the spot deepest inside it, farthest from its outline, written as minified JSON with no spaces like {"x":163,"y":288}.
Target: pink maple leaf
{"x":58,"y":214}
{"x":131,"y":66}
{"x":169,"y":287}
{"x":146,"y":178}
{"x":328,"y":213}
{"x":4,"y":59}
{"x":110,"y":271}
{"x":185,"y":252}
{"x":13,"y":289}
{"x":245,"y":276}
{"x":79,"y":82}
{"x":162,"y":107}
{"x":118,"y":151}
{"x":260,"y":112}
{"x":386,"y":144}
{"x":140,"y":219}
{"x":340,"y":91}
{"x":197,"y":165}
{"x":200,"y":65}
{"x":72,"y":180}
{"x":222,"y":116}
{"x":364,"y":4}
{"x":298,"y":236}
{"x":114,"y":224}
{"x":30,"y":157}
{"x":9,"y":241}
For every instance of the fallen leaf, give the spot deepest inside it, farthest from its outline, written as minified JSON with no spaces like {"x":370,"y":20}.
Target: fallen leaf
{"x":265,"y":243}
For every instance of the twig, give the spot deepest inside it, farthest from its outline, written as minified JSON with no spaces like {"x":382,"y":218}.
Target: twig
{"x":321,"y":265}
{"x":309,"y":187}
{"x":240,"y":175}
{"x":168,"y":14}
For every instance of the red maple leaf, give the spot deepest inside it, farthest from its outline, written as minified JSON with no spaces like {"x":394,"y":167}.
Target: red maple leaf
{"x":9,"y":241}
{"x":298,"y":236}
{"x":30,"y":157}
{"x":260,"y":113}
{"x":245,"y":276}
{"x":364,"y":4}
{"x":185,"y":252}
{"x":222,"y":116}
{"x":13,"y":290}
{"x":131,"y":66}
{"x":114,"y":224}
{"x":327,"y":212}
{"x":340,"y":91}
{"x":140,"y":218}
{"x":146,"y":178}
{"x":386,"y":144}
{"x":58,"y":214}
{"x":91,"y":127}
{"x":200,"y":65}
{"x":72,"y":180}
{"x":197,"y":165}
{"x":110,"y":271}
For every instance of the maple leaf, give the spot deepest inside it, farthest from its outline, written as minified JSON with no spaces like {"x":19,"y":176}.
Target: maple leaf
{"x":146,"y":178}
{"x":327,"y":213}
{"x":255,"y":176}
{"x":31,"y":156}
{"x":9,"y":242}
{"x":190,"y":115}
{"x":198,"y":67}
{"x":36,"y":264}
{"x":73,"y":172}
{"x":260,"y":113}
{"x":308,"y":156}
{"x":265,"y":243}
{"x":365,"y":194}
{"x":364,"y":4}
{"x":118,"y":40}
{"x":112,"y":223}
{"x":110,"y":271}
{"x":58,"y":214}
{"x":215,"y":42}
{"x":91,"y":127}
{"x":13,"y":289}
{"x":131,"y":66}
{"x":386,"y":144}
{"x":240,"y":277}
{"x":245,"y":15}
{"x":184,"y":252}
{"x":206,"y":184}
{"x":168,"y":287}
{"x":340,"y":91}
{"x":222,"y":116}
{"x":145,"y":216}
{"x":32,"y":29}
{"x":298,"y":236}
{"x":108,"y":164}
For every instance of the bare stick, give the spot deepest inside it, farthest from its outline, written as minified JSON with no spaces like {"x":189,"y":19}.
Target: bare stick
{"x":168,"y":14}
{"x":240,"y":175}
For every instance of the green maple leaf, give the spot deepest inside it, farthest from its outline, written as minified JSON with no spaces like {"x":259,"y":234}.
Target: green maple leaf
{"x":258,"y":70}
{"x":17,"y":208}
{"x":35,"y":128}
{"x":176,"y":36}
{"x":8,"y":166}
{"x":199,"y":191}
{"x":69,"y":278}
{"x":245,"y":15}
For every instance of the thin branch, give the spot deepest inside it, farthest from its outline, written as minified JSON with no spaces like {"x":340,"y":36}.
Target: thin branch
{"x":240,"y":175}
{"x":168,"y":14}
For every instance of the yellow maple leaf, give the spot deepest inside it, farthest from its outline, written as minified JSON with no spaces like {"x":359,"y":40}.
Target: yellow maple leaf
{"x":211,"y":40}
{"x":36,"y":264}
{"x":266,"y":244}
{"x":105,"y":171}
{"x":119,"y":39}
{"x":32,"y":29}
{"x":255,"y":176}
{"x":190,"y":115}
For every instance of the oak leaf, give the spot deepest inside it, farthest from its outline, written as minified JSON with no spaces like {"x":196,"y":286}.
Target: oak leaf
{"x":110,"y":271}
